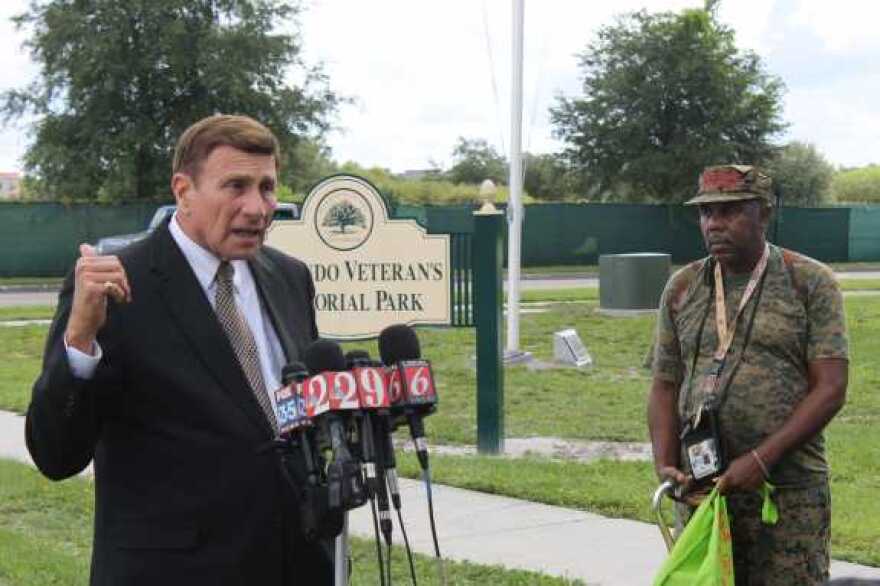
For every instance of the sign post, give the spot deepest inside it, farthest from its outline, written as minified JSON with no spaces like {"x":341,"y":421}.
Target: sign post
{"x":488,"y":303}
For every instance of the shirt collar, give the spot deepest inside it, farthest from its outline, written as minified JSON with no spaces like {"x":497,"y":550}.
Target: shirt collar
{"x":203,"y":262}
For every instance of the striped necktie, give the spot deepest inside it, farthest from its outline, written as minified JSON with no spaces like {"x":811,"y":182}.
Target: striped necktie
{"x":241,"y":338}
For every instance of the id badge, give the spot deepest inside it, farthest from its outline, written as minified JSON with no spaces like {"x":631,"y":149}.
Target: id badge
{"x":703,"y":446}
{"x":703,"y":458}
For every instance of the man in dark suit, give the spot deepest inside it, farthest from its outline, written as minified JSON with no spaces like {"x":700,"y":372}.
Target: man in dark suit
{"x":160,"y":366}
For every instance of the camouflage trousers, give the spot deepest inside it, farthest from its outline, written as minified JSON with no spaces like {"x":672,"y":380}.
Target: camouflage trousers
{"x":794,"y":552}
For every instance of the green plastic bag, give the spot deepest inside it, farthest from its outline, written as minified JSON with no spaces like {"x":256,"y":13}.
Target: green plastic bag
{"x":703,"y":555}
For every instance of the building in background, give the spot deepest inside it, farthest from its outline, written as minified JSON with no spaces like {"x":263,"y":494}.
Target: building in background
{"x":10,"y":185}
{"x":417,"y":174}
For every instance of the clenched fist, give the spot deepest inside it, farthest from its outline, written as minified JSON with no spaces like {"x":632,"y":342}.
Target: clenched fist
{"x":95,"y":279}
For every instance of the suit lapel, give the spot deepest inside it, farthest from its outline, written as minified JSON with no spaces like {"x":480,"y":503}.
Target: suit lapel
{"x":187,"y":304}
{"x":277,"y":298}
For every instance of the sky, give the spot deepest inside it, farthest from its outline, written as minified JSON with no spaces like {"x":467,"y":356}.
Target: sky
{"x":422,"y":73}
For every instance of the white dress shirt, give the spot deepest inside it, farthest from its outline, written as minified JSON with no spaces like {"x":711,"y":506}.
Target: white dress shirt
{"x":204,"y":264}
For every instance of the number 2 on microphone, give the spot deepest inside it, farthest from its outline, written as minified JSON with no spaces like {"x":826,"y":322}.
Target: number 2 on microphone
{"x":344,"y":391}
{"x":318,"y":399}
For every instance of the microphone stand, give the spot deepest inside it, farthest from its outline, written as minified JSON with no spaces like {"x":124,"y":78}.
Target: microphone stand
{"x":340,"y":452}
{"x":341,"y":555}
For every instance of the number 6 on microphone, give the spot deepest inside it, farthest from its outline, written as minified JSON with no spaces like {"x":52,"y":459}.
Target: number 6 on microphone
{"x":418,"y":382}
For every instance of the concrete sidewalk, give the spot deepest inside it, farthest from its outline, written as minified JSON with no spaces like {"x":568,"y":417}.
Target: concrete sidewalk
{"x":490,"y":529}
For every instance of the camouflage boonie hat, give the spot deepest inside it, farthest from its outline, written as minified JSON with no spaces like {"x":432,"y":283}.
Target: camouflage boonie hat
{"x":732,"y":183}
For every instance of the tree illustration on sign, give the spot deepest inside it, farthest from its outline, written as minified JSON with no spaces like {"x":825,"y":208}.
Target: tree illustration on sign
{"x":344,"y":214}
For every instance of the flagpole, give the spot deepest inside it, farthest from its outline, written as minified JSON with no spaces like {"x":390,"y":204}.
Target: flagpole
{"x":514,"y":206}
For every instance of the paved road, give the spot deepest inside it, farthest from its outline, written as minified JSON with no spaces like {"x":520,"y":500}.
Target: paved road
{"x":575,"y":282}
{"x":15,"y":298}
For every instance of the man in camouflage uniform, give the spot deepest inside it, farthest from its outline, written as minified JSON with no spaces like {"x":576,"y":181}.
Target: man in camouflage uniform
{"x":782,"y":380}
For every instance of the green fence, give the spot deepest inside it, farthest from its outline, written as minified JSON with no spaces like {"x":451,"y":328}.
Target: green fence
{"x":578,"y":234}
{"x":864,"y":234}
{"x":41,"y":239}
{"x":568,"y":234}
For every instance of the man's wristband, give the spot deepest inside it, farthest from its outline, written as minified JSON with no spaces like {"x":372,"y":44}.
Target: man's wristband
{"x":761,"y":464}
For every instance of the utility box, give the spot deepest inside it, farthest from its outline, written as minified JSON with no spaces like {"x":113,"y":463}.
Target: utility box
{"x":632,"y":281}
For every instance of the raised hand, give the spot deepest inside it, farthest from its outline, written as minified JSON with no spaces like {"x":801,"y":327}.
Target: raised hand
{"x":95,"y":279}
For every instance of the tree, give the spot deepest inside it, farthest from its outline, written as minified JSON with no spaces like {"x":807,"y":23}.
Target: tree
{"x":858,"y":185}
{"x":121,"y":80}
{"x":344,"y":214}
{"x":549,"y":177}
{"x":474,"y":161}
{"x":802,"y":174}
{"x":664,"y":96}
{"x":308,"y":162}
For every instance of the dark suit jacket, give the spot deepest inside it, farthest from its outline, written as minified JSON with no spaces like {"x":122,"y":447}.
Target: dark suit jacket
{"x":183,"y":492}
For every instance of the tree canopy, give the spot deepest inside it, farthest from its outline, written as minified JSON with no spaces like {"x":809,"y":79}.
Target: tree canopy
{"x":802,"y":174}
{"x":121,"y":80}
{"x":476,"y":160}
{"x":857,"y":185}
{"x":665,"y":95}
{"x":549,"y":177}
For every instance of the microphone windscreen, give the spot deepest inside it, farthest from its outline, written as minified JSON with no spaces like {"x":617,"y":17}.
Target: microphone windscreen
{"x":293,"y":371}
{"x":357,"y":358}
{"x":399,"y":342}
{"x":324,"y":355}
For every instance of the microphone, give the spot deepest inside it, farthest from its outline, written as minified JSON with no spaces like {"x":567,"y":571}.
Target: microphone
{"x":411,"y":382}
{"x":358,"y":362}
{"x":292,"y":416}
{"x":289,"y":398}
{"x":376,"y":395}
{"x":373,"y":395}
{"x":331,"y":391}
{"x":305,"y":475}
{"x":411,"y":386}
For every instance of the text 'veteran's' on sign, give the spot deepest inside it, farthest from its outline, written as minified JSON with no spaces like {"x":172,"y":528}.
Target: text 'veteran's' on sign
{"x":370,"y":271}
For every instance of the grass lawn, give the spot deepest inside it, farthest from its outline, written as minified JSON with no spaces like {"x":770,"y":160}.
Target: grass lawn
{"x":21,"y":349}
{"x":46,"y":535}
{"x":31,"y":281}
{"x":560,"y":295}
{"x":578,"y":294}
{"x":26,"y":312}
{"x":606,"y":401}
{"x":860,"y":284}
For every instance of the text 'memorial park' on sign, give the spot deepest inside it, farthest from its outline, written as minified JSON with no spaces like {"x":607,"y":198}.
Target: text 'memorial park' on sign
{"x":370,"y":271}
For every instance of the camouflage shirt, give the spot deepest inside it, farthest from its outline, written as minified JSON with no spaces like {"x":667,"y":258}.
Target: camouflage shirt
{"x":799,"y":318}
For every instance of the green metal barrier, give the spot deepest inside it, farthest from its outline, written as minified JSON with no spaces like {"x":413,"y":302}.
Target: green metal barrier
{"x":568,"y":233}
{"x":461,"y":280}
{"x":822,"y":233}
{"x":42,"y":239}
{"x":864,"y":233}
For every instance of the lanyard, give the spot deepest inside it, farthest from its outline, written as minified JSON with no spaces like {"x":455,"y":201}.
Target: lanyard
{"x":727,"y":332}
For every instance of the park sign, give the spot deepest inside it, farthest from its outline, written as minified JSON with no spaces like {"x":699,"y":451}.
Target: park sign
{"x":370,"y":271}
